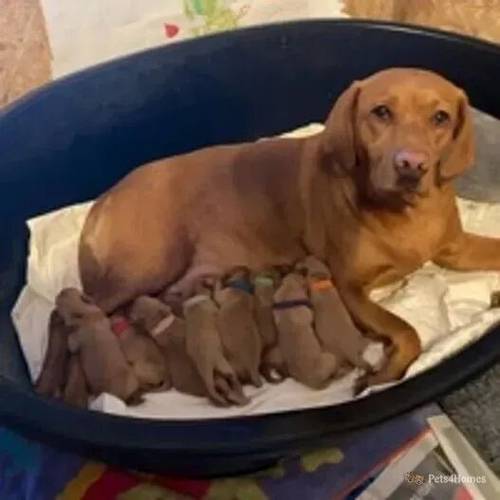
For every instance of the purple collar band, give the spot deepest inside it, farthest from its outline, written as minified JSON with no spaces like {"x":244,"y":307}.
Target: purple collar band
{"x":290,"y":304}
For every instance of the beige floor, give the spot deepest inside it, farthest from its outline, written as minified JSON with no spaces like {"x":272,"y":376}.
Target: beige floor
{"x":25,"y":52}
{"x":24,"y":48}
{"x":480,"y":18}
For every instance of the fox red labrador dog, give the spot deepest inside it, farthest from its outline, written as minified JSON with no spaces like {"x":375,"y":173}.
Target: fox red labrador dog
{"x":370,"y":195}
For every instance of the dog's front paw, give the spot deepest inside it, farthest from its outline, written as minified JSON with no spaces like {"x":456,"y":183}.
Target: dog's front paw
{"x":360,"y":384}
{"x":368,"y":379}
{"x":384,"y":376}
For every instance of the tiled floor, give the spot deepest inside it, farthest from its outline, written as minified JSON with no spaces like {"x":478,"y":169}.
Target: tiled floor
{"x":25,"y":52}
{"x":479,"y":18}
{"x":24,"y":48}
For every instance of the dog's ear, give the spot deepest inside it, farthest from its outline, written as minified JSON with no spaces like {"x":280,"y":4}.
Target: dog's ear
{"x":338,"y":137}
{"x":460,"y":155}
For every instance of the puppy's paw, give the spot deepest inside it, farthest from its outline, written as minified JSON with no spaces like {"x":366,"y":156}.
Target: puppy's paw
{"x":256,"y":379}
{"x":230,"y":391}
{"x":164,"y":386}
{"x":135,"y":399}
{"x":272,"y":374}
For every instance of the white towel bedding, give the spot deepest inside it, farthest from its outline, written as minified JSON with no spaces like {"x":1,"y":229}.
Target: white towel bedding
{"x":448,"y":309}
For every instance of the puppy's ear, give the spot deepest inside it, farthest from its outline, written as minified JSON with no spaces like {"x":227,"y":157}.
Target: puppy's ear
{"x":460,"y":154}
{"x":338,"y":137}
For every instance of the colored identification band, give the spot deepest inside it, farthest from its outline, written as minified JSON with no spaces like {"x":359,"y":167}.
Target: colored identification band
{"x":321,"y":285}
{"x":290,"y":304}
{"x":119,"y":325}
{"x":240,"y":284}
{"x":264,"y":281}
{"x":163,"y":325}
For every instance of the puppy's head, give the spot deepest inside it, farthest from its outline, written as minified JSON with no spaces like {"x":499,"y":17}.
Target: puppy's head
{"x":73,"y":305}
{"x":147,"y":312}
{"x":399,"y":132}
{"x":312,"y":267}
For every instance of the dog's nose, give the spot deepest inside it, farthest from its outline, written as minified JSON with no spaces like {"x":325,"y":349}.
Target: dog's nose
{"x":410,"y":163}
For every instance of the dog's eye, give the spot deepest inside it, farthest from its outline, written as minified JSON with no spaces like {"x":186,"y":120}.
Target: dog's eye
{"x":382,"y":112}
{"x":440,"y":117}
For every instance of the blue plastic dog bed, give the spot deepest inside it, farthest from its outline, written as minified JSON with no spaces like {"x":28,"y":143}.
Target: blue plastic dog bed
{"x":72,"y":139}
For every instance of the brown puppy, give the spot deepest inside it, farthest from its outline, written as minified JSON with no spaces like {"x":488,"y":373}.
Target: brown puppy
{"x":142,"y":354}
{"x":371,"y":196}
{"x":51,"y":380}
{"x":204,"y":347}
{"x":237,"y":327}
{"x":332,"y":322}
{"x":103,"y":362}
{"x":306,"y":361}
{"x":273,"y":366}
{"x":76,"y":391}
{"x":169,"y":332}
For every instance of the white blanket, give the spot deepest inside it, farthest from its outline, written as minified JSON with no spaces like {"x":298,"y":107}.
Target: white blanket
{"x":448,"y":309}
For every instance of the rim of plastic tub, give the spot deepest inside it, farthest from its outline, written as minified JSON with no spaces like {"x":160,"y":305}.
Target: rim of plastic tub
{"x":88,"y":431}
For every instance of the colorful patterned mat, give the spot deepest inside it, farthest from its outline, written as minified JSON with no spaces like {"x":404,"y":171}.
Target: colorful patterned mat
{"x":31,"y":471}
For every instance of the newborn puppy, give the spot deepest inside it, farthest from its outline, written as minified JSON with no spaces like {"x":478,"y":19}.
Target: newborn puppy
{"x":76,"y":392}
{"x":101,"y":356}
{"x":302,"y":352}
{"x":272,"y":364}
{"x":237,"y":327}
{"x":141,"y":353}
{"x":204,"y":347}
{"x":169,"y":332}
{"x":51,"y":379}
{"x":333,"y":324}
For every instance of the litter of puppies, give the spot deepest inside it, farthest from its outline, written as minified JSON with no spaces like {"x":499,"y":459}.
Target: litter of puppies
{"x":235,"y":330}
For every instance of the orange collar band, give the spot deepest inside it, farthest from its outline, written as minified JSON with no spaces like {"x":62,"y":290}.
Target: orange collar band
{"x":321,"y":285}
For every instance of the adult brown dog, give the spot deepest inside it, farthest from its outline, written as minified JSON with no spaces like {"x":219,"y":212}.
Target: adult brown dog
{"x":370,"y":195}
